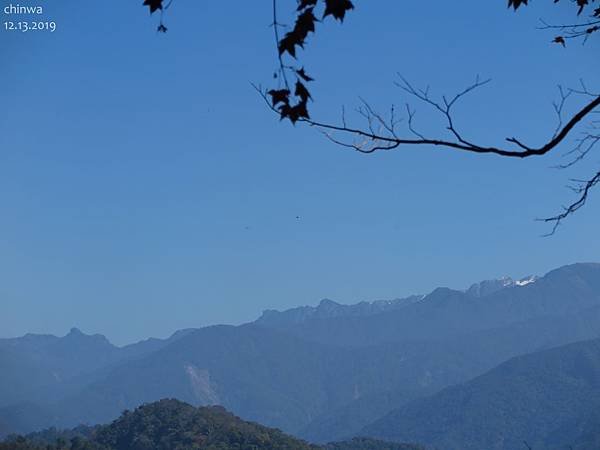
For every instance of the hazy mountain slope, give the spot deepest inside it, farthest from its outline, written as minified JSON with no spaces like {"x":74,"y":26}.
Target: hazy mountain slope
{"x":301,"y":387}
{"x":470,"y":354}
{"x":40,"y":360}
{"x":243,"y":368}
{"x":25,"y":417}
{"x":549,"y":399}
{"x":589,"y":433}
{"x":260,"y":374}
{"x":265,"y":375}
{"x":44,"y":367}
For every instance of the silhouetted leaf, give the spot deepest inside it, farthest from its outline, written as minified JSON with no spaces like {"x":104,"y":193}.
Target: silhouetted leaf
{"x":301,"y":110}
{"x":288,"y":44}
{"x":559,"y":40}
{"x":337,"y":8}
{"x":279,"y":96}
{"x":582,"y":4}
{"x":294,"y":113}
{"x":305,"y":4}
{"x":305,"y":23}
{"x":153,"y":5}
{"x":593,"y":29}
{"x":516,"y":3}
{"x":302,"y":92}
{"x":302,"y":74}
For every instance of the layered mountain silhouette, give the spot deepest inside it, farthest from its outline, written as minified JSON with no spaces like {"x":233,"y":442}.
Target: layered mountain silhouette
{"x":38,"y":367}
{"x":322,"y":373}
{"x":445,"y":312}
{"x":549,"y":399}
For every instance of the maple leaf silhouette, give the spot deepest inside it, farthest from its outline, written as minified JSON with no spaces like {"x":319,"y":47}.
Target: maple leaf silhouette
{"x":279,"y":96}
{"x":305,"y":23}
{"x":302,"y":74}
{"x":582,"y":4}
{"x":288,"y":44}
{"x":516,"y":3}
{"x":302,"y":92}
{"x":284,"y":111}
{"x":337,"y":8}
{"x":300,"y":110}
{"x":593,"y":29}
{"x":294,"y":113}
{"x":153,"y":5}
{"x":305,"y":4}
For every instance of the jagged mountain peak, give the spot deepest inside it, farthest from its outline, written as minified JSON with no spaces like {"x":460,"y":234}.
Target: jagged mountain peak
{"x":327,"y":309}
{"x":488,"y":287}
{"x":75,"y":332}
{"x":78,"y":337}
{"x":328,"y":303}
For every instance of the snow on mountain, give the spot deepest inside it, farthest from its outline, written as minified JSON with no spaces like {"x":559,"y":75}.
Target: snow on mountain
{"x":488,"y":287}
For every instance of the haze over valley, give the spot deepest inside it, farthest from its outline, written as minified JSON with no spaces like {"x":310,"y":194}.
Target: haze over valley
{"x":393,"y":370}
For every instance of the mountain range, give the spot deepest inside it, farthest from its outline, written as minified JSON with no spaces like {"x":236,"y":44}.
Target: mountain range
{"x":333,"y":372}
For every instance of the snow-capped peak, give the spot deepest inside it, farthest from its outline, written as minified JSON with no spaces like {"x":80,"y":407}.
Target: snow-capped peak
{"x":527,"y":280}
{"x":488,"y":287}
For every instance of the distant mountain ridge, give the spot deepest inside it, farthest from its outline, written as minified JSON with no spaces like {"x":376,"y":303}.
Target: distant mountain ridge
{"x":327,"y":309}
{"x":446,"y":312}
{"x":488,"y":287}
{"x":34,"y":362}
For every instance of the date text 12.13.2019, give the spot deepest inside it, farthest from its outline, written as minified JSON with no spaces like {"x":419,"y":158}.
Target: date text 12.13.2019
{"x":24,"y":26}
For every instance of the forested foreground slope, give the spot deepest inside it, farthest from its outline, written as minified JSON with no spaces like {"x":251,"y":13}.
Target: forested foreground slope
{"x":173,"y":425}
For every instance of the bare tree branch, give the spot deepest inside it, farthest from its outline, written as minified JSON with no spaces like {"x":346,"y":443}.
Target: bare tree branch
{"x":573,"y":30}
{"x":460,"y":142}
{"x":381,"y":133}
{"x":583,"y":188}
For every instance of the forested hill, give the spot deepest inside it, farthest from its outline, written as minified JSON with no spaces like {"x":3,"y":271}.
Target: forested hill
{"x":551,"y":399}
{"x":173,"y":425}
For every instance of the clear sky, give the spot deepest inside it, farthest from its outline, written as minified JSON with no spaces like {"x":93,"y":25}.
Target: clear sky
{"x":144,"y":186}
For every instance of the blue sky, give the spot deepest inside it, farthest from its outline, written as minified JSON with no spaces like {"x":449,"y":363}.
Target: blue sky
{"x":144,"y":186}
